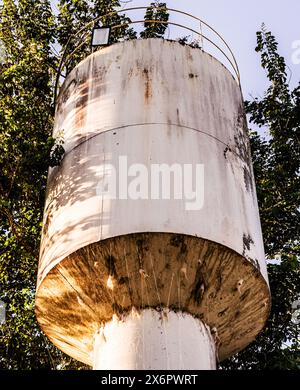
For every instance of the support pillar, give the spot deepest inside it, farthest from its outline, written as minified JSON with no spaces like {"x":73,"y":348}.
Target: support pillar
{"x":154,"y":340}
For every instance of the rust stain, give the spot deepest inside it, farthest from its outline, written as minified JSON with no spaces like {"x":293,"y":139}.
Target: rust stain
{"x":98,"y":82}
{"x":192,"y":75}
{"x":178,"y":116}
{"x":82,"y":289}
{"x":81,"y":104}
{"x":148,"y":89}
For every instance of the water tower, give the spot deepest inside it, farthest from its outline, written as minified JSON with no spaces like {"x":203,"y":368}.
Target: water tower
{"x":132,"y":276}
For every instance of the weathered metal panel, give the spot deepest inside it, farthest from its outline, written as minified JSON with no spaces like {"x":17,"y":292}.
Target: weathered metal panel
{"x":155,"y":102}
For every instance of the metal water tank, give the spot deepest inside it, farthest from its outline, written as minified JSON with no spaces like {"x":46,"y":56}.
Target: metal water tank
{"x":133,"y":275}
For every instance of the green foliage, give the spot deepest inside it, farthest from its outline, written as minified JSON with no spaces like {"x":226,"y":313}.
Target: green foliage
{"x":188,"y":41}
{"x":157,"y":12}
{"x":276,"y":160}
{"x":26,"y":94}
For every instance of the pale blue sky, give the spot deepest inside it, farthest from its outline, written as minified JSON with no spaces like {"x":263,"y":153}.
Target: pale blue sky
{"x":238,"y":22}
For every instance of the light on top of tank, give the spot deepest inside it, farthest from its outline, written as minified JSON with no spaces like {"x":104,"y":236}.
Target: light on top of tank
{"x":100,"y":36}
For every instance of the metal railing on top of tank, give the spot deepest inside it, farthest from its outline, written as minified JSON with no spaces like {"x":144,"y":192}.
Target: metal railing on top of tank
{"x":65,"y":57}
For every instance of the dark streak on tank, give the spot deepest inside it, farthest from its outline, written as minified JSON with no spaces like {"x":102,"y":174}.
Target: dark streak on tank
{"x":148,"y":90}
{"x":247,"y":241}
{"x":178,"y":241}
{"x":198,"y":287}
{"x":245,"y":294}
{"x":242,"y":145}
{"x":218,"y":282}
{"x":237,"y":314}
{"x":256,"y":264}
{"x":142,"y":247}
{"x":67,"y":91}
{"x":117,"y":309}
{"x":98,"y":84}
{"x":110,"y":265}
{"x":123,"y":280}
{"x":226,"y":150}
{"x":81,"y":103}
{"x":248,"y":179}
{"x":178,"y":116}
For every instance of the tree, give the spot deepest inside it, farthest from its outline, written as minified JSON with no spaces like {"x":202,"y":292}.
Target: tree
{"x":276,"y":159}
{"x":27,"y":32}
{"x":157,"y":12}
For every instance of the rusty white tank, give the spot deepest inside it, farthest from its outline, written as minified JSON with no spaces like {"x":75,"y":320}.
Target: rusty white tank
{"x":133,"y":274}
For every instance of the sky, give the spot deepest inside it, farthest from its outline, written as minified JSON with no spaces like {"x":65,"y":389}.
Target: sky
{"x":237,"y":21}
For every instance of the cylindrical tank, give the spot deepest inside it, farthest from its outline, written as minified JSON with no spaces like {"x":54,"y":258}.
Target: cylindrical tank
{"x":133,"y":115}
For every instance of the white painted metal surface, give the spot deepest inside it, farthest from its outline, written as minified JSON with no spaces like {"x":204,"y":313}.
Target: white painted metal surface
{"x":159,"y":102}
{"x":153,"y":340}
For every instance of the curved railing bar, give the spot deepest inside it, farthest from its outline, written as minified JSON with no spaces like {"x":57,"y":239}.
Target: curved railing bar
{"x":212,"y":29}
{"x":189,"y":29}
{"x":66,"y":61}
{"x":94,"y":21}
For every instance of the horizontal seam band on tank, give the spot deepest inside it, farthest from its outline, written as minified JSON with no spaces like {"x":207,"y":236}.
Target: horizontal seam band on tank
{"x":154,"y":123}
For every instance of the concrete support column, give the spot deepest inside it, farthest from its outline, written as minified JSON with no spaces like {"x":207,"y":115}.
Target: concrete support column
{"x":153,"y":340}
